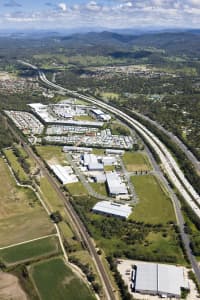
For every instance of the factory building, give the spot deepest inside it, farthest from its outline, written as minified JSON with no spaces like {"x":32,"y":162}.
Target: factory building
{"x":64,"y":174}
{"x":92,"y":162}
{"x":115,"y":184}
{"x":100,"y":115}
{"x":158,"y":279}
{"x":112,"y":209}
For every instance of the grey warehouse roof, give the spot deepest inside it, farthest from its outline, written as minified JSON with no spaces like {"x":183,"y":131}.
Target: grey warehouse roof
{"x":114,"y":209}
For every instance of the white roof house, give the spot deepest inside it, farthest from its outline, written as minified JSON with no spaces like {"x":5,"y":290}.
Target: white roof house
{"x":115,"y":185}
{"x":113,"y":209}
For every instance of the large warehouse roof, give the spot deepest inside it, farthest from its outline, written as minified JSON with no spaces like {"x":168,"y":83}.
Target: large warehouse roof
{"x":170,"y":279}
{"x":91,"y":161}
{"x":159,"y":279}
{"x":146,"y":277}
{"x":113,"y":209}
{"x":64,"y":174}
{"x":115,"y":185}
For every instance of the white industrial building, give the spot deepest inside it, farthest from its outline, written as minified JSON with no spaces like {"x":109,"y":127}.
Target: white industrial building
{"x":112,"y":209}
{"x":100,"y":115}
{"x":109,"y":160}
{"x":92,"y":162}
{"x":76,"y":149}
{"x":159,"y":279}
{"x":115,"y":184}
{"x":64,"y":174}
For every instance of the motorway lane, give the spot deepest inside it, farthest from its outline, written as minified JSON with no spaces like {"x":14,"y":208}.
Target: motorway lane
{"x":175,"y":139}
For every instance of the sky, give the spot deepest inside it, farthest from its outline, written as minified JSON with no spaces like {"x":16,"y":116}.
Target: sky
{"x":110,"y":14}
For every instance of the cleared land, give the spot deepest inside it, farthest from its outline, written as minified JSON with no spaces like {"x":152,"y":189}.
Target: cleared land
{"x":76,"y":189}
{"x":136,"y":161}
{"x":52,"y":154}
{"x":54,"y":280}
{"x":154,"y":205}
{"x":100,"y":188}
{"x":21,"y":215}
{"x":10,"y":288}
{"x":29,"y":251}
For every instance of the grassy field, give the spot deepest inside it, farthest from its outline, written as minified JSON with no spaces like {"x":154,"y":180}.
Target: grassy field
{"x":18,"y":170}
{"x":54,"y":280}
{"x":29,"y":251}
{"x":54,"y":202}
{"x":18,"y":208}
{"x":84,"y":118}
{"x":136,"y":161}
{"x":108,"y":95}
{"x":154,"y":204}
{"x":76,"y":189}
{"x":129,"y":238}
{"x":52,"y":154}
{"x":100,"y":188}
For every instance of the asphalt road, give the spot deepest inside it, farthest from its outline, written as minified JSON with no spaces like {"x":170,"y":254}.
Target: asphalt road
{"x":176,"y":140}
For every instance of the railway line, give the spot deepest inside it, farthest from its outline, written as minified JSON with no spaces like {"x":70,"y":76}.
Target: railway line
{"x":169,"y":164}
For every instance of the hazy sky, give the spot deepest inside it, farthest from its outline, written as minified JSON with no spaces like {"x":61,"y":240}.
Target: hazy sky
{"x":53,"y":14}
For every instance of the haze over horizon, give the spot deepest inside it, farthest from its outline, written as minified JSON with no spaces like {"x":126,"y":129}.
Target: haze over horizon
{"x":120,"y":14}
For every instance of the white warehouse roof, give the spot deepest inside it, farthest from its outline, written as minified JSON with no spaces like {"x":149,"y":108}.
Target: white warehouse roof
{"x":159,"y":279}
{"x":64,"y":174}
{"x":91,"y":161}
{"x":146,"y":277}
{"x":115,"y":185}
{"x":113,"y":209}
{"x":170,"y":279}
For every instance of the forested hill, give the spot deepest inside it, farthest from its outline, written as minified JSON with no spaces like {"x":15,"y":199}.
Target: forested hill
{"x":105,"y":43}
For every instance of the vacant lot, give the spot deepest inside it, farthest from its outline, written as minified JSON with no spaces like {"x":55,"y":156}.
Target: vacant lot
{"x":136,"y":161}
{"x":100,"y":188}
{"x":29,"y":251}
{"x":76,"y":189}
{"x":21,"y":215}
{"x":154,"y":205}
{"x":52,"y":154}
{"x":54,"y":280}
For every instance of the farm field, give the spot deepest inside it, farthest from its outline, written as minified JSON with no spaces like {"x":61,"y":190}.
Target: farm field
{"x":18,"y":208}
{"x":29,"y":251}
{"x":54,"y":280}
{"x":154,"y":205}
{"x":52,"y":154}
{"x":136,"y":161}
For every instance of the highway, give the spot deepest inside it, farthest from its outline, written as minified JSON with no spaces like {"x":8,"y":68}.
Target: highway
{"x":76,"y":221}
{"x":175,"y":139}
{"x":169,"y":164}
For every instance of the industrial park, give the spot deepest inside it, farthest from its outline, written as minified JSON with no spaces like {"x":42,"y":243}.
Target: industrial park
{"x":113,"y":189}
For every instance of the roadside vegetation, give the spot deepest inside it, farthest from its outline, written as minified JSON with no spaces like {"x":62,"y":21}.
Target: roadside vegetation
{"x":136,"y":161}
